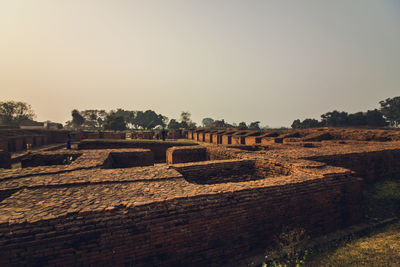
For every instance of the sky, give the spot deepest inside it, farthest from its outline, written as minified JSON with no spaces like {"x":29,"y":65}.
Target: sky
{"x":267,"y":61}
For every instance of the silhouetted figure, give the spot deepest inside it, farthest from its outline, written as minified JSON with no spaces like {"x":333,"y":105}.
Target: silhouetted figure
{"x":68,"y":141}
{"x":163,"y":134}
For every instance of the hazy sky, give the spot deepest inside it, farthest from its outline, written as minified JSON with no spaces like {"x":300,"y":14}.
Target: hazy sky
{"x":272,"y":61}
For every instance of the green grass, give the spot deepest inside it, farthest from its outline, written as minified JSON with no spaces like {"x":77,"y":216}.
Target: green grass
{"x":382,"y":199}
{"x":381,"y":248}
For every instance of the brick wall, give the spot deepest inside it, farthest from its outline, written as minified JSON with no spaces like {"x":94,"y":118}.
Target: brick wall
{"x":39,"y":159}
{"x":140,"y":157}
{"x":186,"y":154}
{"x":206,"y":230}
{"x":371,"y":166}
{"x":158,"y":148}
{"x":208,"y":172}
{"x":5,"y":160}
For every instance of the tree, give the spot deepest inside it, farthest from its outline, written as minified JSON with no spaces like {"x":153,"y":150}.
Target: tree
{"x":357,"y":119}
{"x":242,"y":126}
{"x":173,"y":124}
{"x":149,"y":119}
{"x":310,"y":123}
{"x":186,"y":122}
{"x":375,"y":118}
{"x":296,"y":124}
{"x":255,"y":125}
{"x":93,"y":118}
{"x":115,"y":122}
{"x":334,"y":118}
{"x":390,"y":108}
{"x":13,"y":112}
{"x":129,"y":116}
{"x":207,"y":121}
{"x":77,"y":119}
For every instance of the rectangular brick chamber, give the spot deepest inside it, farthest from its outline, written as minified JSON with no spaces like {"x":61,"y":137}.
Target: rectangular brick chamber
{"x":139,"y":157}
{"x":221,"y":171}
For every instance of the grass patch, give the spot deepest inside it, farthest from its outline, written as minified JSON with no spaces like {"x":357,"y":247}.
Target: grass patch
{"x":382,"y":199}
{"x":379,"y":249}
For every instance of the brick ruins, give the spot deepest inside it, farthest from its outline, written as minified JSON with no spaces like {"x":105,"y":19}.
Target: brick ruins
{"x":221,"y":200}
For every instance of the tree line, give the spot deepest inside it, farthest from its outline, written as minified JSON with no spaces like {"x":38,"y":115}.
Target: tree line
{"x":15,"y":113}
{"x":121,"y":119}
{"x":388,"y":114}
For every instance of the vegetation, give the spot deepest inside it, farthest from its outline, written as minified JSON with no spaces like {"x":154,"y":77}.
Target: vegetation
{"x":288,"y":250}
{"x":186,"y":122}
{"x":13,"y":113}
{"x":389,"y":113}
{"x":390,"y":108}
{"x":242,"y":126}
{"x":255,"y":125}
{"x":77,"y":119}
{"x":207,"y":121}
{"x":380,"y":248}
{"x":336,"y":118}
{"x":121,"y":119}
{"x":115,"y":121}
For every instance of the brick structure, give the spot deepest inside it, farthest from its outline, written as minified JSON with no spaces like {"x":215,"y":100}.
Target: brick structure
{"x":186,"y":154}
{"x":131,"y":158}
{"x":158,"y":148}
{"x":203,"y":213}
{"x":5,"y":160}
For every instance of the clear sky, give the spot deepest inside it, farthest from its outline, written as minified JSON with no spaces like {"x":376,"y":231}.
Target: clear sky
{"x":272,"y":61}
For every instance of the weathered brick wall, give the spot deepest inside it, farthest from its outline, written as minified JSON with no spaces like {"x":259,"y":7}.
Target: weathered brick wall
{"x":159,"y":149}
{"x":208,"y":137}
{"x":238,"y":140}
{"x":5,"y":160}
{"x":186,"y":154}
{"x":371,"y":166}
{"x":95,"y":135}
{"x":140,"y":157}
{"x":219,"y":153}
{"x":270,"y":168}
{"x":206,"y":230}
{"x":38,"y":159}
{"x":252,"y":140}
{"x":236,"y":170}
{"x":226,"y":139}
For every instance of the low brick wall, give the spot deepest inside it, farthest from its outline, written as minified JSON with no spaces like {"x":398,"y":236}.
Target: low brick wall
{"x":186,"y":154}
{"x":208,"y":172}
{"x":158,"y":148}
{"x":371,"y":166}
{"x":206,"y":230}
{"x":5,"y":160}
{"x":140,"y":157}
